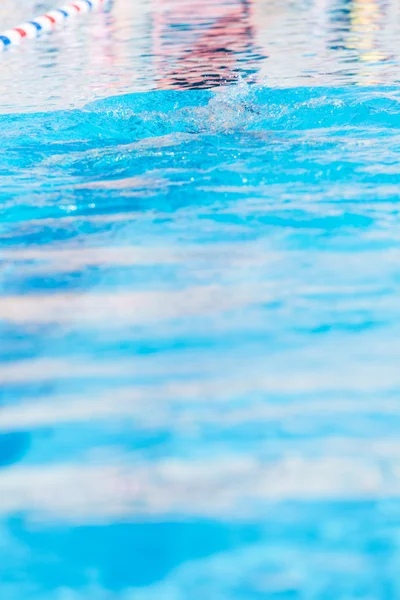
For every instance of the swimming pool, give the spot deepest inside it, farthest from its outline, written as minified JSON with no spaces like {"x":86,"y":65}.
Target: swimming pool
{"x":199,"y":304}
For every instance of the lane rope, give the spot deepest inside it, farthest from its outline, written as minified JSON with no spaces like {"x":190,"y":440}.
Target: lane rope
{"x":48,"y":22}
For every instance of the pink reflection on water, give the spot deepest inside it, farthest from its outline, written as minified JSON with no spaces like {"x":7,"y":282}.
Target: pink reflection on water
{"x":202,"y":44}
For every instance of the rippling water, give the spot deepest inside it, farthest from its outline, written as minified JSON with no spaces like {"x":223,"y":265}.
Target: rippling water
{"x":199,"y":290}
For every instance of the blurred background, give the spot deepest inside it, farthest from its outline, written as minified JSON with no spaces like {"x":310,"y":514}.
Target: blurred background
{"x":145,"y":44}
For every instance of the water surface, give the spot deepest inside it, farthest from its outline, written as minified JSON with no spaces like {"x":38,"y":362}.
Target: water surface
{"x":199,"y":306}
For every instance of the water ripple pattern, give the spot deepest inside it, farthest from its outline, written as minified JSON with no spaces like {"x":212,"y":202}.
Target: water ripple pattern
{"x":199,"y":326}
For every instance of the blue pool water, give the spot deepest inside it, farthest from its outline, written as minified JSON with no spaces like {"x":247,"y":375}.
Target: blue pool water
{"x":199,"y":324}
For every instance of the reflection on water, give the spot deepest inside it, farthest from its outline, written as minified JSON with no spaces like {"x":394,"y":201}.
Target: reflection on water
{"x":204,"y":44}
{"x":367,"y":24}
{"x":199,"y":312}
{"x":155,"y":44}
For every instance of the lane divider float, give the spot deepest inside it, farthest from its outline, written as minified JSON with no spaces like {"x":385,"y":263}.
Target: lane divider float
{"x":48,"y":22}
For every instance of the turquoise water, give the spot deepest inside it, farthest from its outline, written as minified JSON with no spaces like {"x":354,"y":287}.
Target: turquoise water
{"x":199,"y":342}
